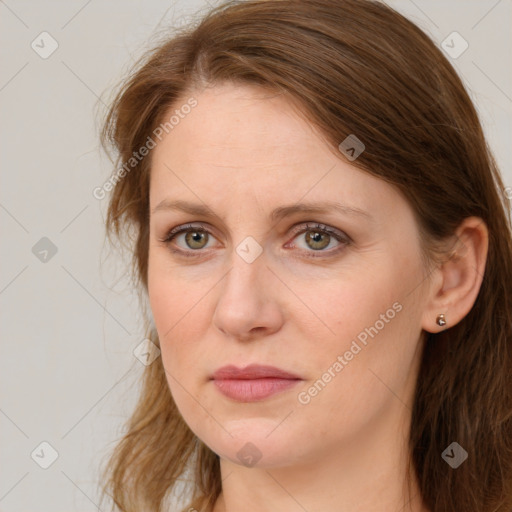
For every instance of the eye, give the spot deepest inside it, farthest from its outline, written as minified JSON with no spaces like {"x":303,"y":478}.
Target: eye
{"x":318,"y":237}
{"x":195,"y":237}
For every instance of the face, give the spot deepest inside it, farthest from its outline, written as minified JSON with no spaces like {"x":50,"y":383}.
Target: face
{"x":332,"y":296}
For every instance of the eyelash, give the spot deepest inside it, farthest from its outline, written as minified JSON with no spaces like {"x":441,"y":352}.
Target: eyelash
{"x":338,"y":235}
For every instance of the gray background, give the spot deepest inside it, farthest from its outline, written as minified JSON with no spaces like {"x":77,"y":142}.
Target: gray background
{"x":69,"y":324}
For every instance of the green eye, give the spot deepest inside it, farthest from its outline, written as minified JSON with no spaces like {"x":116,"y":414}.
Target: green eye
{"x":196,"y":239}
{"x":318,"y":237}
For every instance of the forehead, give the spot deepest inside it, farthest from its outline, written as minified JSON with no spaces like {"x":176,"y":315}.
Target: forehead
{"x":241,"y":124}
{"x":242,"y":144}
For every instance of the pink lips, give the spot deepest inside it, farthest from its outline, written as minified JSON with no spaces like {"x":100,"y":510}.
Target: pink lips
{"x":252,"y":383}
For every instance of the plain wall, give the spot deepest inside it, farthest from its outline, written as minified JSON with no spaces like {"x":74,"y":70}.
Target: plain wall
{"x":69,"y":324}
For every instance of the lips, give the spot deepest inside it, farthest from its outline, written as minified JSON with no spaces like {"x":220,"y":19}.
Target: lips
{"x":252,"y":383}
{"x":253,"y":371}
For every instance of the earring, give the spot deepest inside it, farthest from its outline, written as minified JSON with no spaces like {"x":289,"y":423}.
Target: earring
{"x":440,"y":320}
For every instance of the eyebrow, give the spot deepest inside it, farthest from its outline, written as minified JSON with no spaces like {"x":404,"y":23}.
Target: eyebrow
{"x":276,"y":214}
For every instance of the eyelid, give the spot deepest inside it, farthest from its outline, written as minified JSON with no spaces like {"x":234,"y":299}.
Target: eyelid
{"x":185,"y":227}
{"x":312,"y":225}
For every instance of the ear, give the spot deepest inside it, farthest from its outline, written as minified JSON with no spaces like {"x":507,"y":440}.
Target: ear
{"x":455,"y":284}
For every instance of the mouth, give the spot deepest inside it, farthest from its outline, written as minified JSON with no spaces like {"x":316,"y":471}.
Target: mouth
{"x":253,"y":383}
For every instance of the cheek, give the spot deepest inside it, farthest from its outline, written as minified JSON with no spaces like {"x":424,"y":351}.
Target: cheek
{"x":368,"y":317}
{"x":375,"y":318}
{"x":181,"y":318}
{"x":169,"y":296}
{"x":169,"y":309}
{"x":352,"y":302}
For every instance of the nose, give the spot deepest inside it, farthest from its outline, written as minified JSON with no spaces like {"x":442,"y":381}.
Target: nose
{"x":248,"y":307}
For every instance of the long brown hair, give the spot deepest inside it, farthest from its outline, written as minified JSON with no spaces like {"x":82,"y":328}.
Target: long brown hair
{"x":354,"y":67}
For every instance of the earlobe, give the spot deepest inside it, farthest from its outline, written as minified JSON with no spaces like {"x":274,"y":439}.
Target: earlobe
{"x":454,"y":293}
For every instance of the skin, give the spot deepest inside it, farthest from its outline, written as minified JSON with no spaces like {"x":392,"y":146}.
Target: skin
{"x":243,"y":152}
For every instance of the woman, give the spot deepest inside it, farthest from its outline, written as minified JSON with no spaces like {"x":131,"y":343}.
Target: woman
{"x":322,"y":235}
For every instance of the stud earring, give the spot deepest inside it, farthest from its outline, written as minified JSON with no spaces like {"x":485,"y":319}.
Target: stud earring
{"x":440,"y":320}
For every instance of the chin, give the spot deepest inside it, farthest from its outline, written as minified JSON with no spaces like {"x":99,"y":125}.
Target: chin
{"x":254,"y":447}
